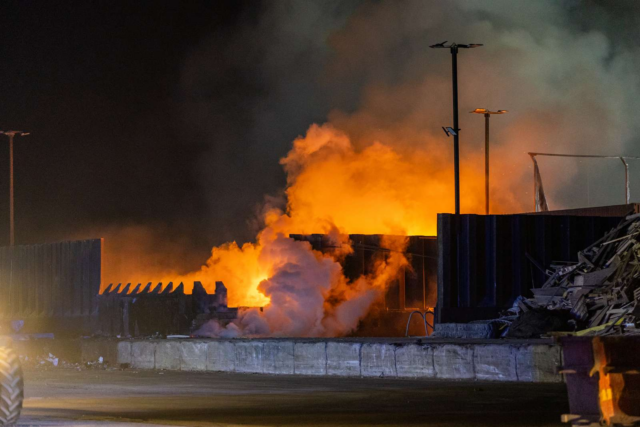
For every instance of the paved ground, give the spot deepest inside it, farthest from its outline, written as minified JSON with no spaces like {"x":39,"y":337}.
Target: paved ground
{"x":118,"y":398}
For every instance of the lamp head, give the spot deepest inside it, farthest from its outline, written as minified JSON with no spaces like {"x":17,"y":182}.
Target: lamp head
{"x":14,"y":132}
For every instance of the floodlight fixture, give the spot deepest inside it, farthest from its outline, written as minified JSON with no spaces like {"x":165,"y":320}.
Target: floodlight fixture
{"x":444,"y":45}
{"x":449,"y":131}
{"x":11,"y":133}
{"x":453,"y":47}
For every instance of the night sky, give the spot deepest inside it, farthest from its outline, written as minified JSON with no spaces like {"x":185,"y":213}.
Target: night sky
{"x":172,"y":116}
{"x":95,"y":82}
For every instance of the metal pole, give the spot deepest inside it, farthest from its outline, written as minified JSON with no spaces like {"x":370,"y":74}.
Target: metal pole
{"x":623,"y":159}
{"x":11,"y":232}
{"x":533,"y":160}
{"x":486,"y":161}
{"x":456,"y":137}
{"x":627,"y":190}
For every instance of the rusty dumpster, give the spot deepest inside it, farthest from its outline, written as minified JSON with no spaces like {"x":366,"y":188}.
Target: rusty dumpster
{"x":603,"y":381}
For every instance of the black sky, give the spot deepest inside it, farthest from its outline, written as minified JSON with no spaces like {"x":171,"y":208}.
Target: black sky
{"x":95,"y":82}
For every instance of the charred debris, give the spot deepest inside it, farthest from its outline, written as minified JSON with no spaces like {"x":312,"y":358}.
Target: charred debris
{"x":598,"y":295}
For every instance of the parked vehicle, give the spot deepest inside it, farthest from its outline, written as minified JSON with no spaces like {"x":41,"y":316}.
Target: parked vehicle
{"x":11,"y":384}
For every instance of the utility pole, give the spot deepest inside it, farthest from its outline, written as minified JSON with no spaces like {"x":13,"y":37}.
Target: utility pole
{"x":487,"y":116}
{"x":11,"y":134}
{"x":453,"y":47}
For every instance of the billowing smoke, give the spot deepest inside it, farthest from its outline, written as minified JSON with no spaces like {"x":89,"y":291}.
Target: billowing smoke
{"x":563,"y":69}
{"x":304,"y":292}
{"x":307,"y":291}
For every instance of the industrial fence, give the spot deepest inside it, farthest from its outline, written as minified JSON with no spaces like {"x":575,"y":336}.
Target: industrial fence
{"x":486,"y":262}
{"x":51,"y":287}
{"x":160,"y":310}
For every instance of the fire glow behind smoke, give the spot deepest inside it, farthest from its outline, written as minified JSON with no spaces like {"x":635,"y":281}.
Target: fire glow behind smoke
{"x":335,"y":189}
{"x":565,"y":71}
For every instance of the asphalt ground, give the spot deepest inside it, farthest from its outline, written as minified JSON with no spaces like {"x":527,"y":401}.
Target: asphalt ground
{"x":66,"y":397}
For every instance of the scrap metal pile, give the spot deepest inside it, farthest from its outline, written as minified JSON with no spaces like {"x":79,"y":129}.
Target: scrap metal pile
{"x":598,"y":295}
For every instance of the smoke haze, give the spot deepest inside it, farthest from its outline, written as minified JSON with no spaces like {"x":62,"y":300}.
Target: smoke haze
{"x":562,"y":69}
{"x":268,"y":110}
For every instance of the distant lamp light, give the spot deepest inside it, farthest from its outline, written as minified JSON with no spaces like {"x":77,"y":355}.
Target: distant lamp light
{"x":485,"y":111}
{"x":487,"y":114}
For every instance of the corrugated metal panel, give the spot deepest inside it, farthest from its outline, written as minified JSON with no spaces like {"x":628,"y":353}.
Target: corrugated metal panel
{"x":483,"y":264}
{"x":51,"y":286}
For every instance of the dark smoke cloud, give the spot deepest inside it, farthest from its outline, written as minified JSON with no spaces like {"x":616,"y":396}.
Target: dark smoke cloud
{"x":249,"y":94}
{"x":565,"y":70}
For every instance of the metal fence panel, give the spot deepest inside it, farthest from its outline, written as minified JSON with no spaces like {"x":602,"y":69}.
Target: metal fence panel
{"x":486,"y":261}
{"x":51,"y":286}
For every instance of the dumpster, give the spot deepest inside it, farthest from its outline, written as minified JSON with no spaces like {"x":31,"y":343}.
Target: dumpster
{"x":603,"y":381}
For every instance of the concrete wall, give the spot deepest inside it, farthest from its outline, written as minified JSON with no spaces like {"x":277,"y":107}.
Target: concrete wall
{"x":489,"y":360}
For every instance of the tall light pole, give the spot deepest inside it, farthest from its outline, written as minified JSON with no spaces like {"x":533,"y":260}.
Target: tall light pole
{"x":487,"y":115}
{"x":11,"y":134}
{"x":453,"y":47}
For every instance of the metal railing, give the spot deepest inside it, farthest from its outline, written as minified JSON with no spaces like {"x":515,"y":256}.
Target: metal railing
{"x":427,"y":325}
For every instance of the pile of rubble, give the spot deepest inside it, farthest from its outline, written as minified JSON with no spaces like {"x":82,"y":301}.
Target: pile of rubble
{"x":598,"y":295}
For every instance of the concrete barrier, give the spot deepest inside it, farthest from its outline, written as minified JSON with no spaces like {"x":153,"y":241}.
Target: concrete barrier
{"x":221,"y":356}
{"x":415,"y":361}
{"x":486,"y":360}
{"x":378,"y":360}
{"x":277,"y":357}
{"x":452,"y":361}
{"x":168,"y":355}
{"x":310,"y":358}
{"x":249,"y":356}
{"x":124,"y":353}
{"x":343,"y":359}
{"x":495,"y":363}
{"x":538,"y":363}
{"x":193,"y":356}
{"x":143,"y":354}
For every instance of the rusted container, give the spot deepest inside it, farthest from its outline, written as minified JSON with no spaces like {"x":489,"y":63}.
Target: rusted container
{"x":602,"y":380}
{"x":617,"y":363}
{"x":582,"y":388}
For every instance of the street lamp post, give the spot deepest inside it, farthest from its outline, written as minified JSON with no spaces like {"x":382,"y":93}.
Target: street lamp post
{"x":11,"y":134}
{"x":487,"y":114}
{"x":453,"y":47}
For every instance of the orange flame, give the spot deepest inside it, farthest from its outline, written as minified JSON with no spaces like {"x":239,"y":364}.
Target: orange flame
{"x":333,"y":188}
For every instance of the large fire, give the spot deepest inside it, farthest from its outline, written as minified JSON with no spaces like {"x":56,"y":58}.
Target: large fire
{"x":333,"y":188}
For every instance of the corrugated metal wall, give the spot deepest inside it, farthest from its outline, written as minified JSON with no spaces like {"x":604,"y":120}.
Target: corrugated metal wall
{"x":483,"y":264}
{"x":51,"y":286}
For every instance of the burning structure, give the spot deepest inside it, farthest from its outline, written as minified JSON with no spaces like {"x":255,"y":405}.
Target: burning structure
{"x":334,"y":189}
{"x":378,"y":167}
